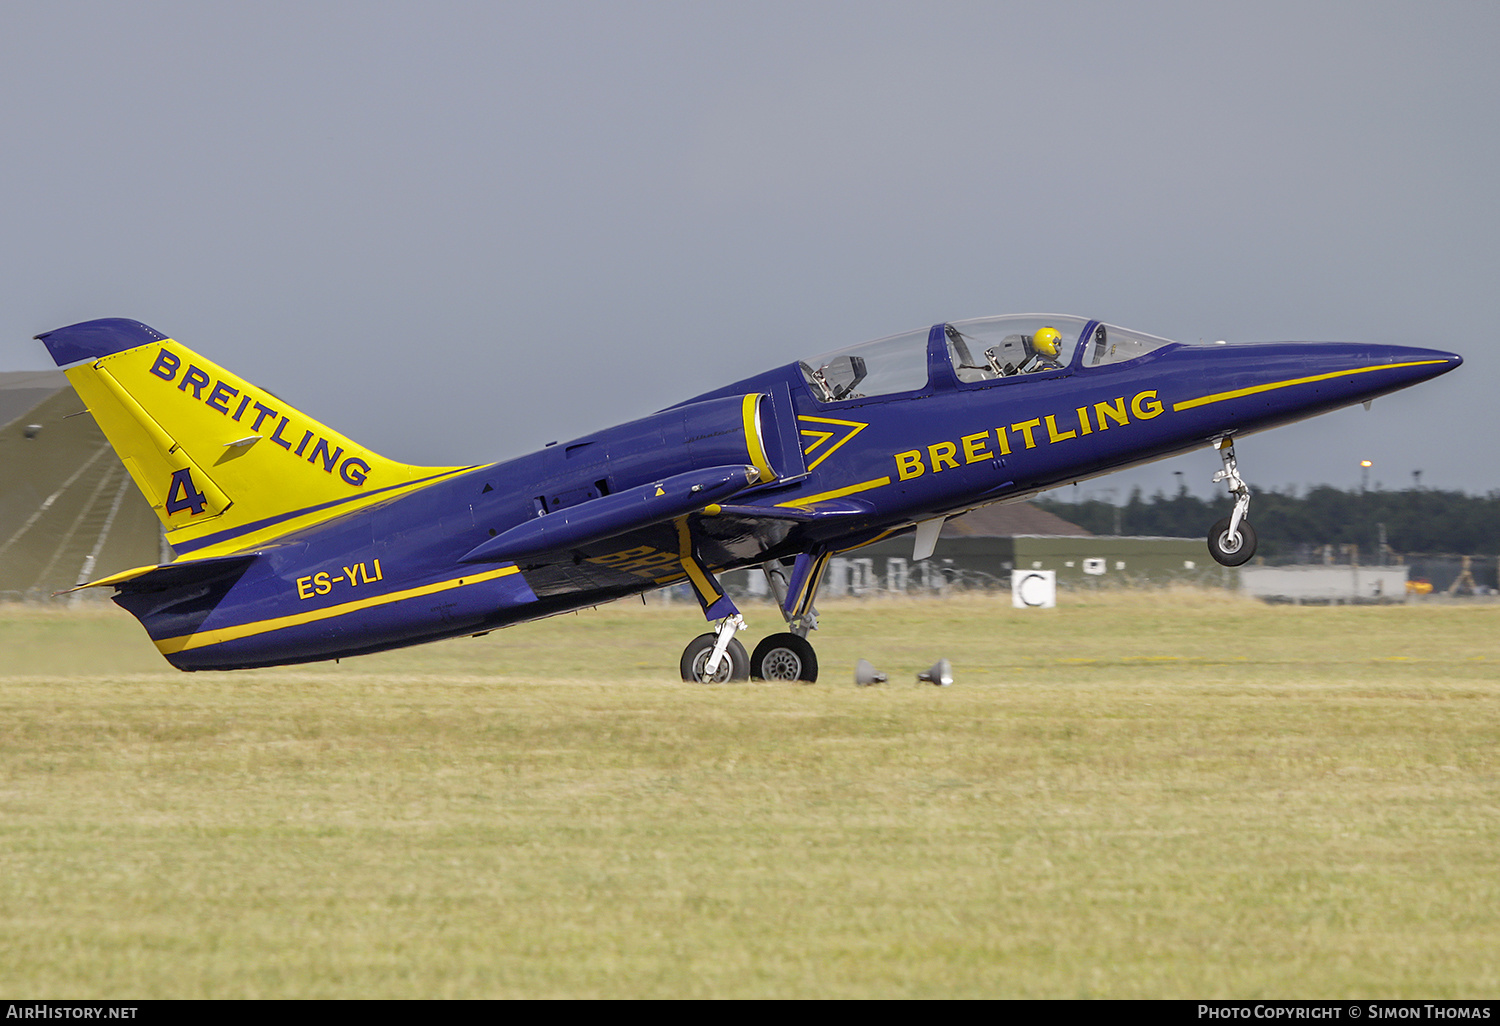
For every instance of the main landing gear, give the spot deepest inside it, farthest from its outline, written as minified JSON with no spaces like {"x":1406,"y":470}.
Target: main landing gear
{"x":784,"y":657}
{"x":717,"y":657}
{"x":729,"y":661}
{"x":1231,"y":541}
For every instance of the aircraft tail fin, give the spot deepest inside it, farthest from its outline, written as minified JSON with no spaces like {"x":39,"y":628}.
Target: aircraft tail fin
{"x":226,"y":465}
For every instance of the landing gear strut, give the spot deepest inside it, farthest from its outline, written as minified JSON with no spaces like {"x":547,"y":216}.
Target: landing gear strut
{"x":789,"y":655}
{"x":717,"y":657}
{"x":1231,"y":541}
{"x":732,"y":664}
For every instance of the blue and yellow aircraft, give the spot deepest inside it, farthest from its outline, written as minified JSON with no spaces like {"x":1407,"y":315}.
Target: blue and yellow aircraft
{"x":294,"y":543}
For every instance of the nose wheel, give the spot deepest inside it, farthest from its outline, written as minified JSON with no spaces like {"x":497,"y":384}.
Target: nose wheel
{"x":1231,"y":549}
{"x":1231,"y":541}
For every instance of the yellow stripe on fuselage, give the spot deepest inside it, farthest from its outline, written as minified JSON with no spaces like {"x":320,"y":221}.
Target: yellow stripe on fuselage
{"x":1218,"y":397}
{"x":882,"y":536}
{"x":837,"y":493}
{"x":167,"y":646}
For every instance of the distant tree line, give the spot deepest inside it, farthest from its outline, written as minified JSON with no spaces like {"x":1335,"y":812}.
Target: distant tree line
{"x":1292,"y":525}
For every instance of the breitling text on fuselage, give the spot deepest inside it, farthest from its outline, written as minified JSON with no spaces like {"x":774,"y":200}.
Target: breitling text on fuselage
{"x":1027,"y":434}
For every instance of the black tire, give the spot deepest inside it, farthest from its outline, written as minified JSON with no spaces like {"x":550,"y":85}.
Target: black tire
{"x":735,"y":665}
{"x":1231,"y":551}
{"x":784,"y":657}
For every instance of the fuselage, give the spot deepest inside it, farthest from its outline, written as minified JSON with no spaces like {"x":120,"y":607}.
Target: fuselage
{"x":837,"y":469}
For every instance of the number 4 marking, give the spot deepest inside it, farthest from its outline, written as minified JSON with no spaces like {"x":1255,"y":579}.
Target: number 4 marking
{"x":182,"y":495}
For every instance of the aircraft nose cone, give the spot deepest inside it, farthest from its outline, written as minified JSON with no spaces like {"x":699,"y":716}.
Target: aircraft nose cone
{"x":1391,"y":368}
{"x":1274,"y":381}
{"x":1415,"y":364}
{"x":1377,"y":370}
{"x":1453,"y":359}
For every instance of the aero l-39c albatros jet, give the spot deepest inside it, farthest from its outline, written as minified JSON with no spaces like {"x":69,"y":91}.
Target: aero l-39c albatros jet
{"x":295,"y":544}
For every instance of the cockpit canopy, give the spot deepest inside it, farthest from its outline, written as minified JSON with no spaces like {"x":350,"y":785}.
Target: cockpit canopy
{"x":896,"y":363}
{"x":981,"y":350}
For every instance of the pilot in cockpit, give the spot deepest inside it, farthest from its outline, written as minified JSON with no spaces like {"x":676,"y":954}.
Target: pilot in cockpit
{"x":1012,"y":355}
{"x":1044,"y":349}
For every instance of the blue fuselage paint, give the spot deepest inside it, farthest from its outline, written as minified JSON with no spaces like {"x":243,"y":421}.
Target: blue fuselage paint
{"x":387,"y":576}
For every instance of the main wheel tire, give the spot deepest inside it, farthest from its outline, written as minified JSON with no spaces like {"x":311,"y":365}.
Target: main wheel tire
{"x":1231,"y":551}
{"x":734,"y":666}
{"x":784,"y":657}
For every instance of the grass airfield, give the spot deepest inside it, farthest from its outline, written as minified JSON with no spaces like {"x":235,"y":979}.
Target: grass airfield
{"x":1135,"y":795}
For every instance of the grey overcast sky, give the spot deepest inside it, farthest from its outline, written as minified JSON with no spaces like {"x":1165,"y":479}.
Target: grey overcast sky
{"x":456,"y":231}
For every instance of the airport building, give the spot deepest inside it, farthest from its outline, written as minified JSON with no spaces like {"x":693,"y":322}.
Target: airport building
{"x":981,"y":548}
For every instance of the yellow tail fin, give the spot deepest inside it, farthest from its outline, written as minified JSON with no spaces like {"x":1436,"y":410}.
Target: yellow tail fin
{"x":226,"y":465}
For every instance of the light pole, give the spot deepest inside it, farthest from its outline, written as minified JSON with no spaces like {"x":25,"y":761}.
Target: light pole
{"x":1113,"y":493}
{"x":1364,"y":476}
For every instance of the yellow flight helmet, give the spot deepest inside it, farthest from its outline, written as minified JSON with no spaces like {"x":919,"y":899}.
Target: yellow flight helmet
{"x":1046,"y":341}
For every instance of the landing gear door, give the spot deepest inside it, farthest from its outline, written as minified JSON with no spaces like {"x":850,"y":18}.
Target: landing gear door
{"x":782,"y":435}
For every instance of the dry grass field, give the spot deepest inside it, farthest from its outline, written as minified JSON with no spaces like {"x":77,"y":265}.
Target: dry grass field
{"x":1134,"y":795}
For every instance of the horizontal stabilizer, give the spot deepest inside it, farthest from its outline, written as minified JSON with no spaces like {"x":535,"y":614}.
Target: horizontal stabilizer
{"x":611,"y":515}
{"x":94,"y":340}
{"x":172,"y":575}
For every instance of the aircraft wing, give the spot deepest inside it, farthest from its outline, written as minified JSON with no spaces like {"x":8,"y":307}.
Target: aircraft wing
{"x":721,"y":535}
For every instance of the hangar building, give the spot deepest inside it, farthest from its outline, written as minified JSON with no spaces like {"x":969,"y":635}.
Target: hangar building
{"x":980,"y":549}
{"x":69,"y":512}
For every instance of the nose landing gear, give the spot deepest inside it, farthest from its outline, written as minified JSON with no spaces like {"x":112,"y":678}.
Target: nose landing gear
{"x":1231,"y":541}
